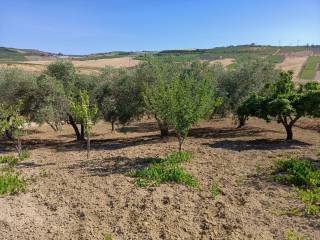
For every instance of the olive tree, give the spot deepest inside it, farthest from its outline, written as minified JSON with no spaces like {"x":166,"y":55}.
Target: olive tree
{"x":119,"y":97}
{"x":286,"y":103}
{"x":84,"y":113}
{"x":244,"y":77}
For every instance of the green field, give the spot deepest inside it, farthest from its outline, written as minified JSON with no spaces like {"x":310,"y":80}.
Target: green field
{"x":310,"y":68}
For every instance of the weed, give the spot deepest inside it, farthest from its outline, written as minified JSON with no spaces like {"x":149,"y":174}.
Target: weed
{"x":10,"y":160}
{"x":297,"y":172}
{"x":24,"y":154}
{"x":107,"y":236}
{"x":311,"y":199}
{"x":214,"y":190}
{"x":166,"y":170}
{"x":178,"y":157}
{"x":10,"y":183}
{"x":301,"y":173}
{"x":292,"y":235}
{"x":241,"y":180}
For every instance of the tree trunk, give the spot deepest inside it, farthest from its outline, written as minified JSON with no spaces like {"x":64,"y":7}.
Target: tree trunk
{"x":9,"y":134}
{"x":19,"y":147}
{"x":241,"y":121}
{"x":289,"y":132}
{"x":82,"y":131}
{"x":88,"y":145}
{"x":75,"y":128}
{"x":164,"y":129}
{"x":180,"y":140}
{"x":112,"y":126}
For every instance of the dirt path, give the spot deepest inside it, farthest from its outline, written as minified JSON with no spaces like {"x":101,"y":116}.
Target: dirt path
{"x":70,"y":197}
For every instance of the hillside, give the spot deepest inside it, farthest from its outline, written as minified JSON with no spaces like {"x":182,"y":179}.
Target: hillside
{"x":286,"y":57}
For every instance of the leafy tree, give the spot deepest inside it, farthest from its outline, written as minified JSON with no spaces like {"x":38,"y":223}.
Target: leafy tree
{"x":181,"y":102}
{"x":120,"y":97}
{"x":286,"y":103}
{"x":246,"y":76}
{"x":11,"y":121}
{"x":84,"y":113}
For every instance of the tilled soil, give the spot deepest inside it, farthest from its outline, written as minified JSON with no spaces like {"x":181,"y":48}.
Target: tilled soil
{"x":70,"y":197}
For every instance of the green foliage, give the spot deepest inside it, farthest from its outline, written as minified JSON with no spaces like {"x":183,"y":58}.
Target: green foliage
{"x":167,"y":170}
{"x":182,"y":98}
{"x":292,"y":235}
{"x":214,"y":191}
{"x":246,"y":77}
{"x":10,"y":160}
{"x":178,"y":157}
{"x":310,"y":68}
{"x":301,"y":173}
{"x":24,"y":154}
{"x":119,"y":97}
{"x":284,"y":102}
{"x":83,"y":111}
{"x":298,"y":172}
{"x":11,"y":184}
{"x":311,"y":198}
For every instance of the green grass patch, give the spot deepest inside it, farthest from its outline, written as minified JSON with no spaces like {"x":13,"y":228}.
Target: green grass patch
{"x":297,"y":172}
{"x":292,"y":235}
{"x":10,"y":160}
{"x":166,"y":170}
{"x":214,"y":191}
{"x":11,"y":183}
{"x":303,"y":174}
{"x":310,"y":68}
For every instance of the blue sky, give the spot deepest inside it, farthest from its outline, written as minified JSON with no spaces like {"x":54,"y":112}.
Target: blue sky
{"x":80,"y":27}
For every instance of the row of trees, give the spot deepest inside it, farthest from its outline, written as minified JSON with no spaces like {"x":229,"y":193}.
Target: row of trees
{"x":177,"y":94}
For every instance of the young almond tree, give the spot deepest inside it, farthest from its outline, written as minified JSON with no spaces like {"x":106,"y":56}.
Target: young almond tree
{"x":11,"y":123}
{"x":84,"y":113}
{"x":286,"y":103}
{"x":181,"y":103}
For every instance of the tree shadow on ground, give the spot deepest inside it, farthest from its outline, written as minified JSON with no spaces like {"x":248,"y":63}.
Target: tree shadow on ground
{"x":112,"y":165}
{"x":140,"y":127}
{"x":96,"y":144}
{"x":228,"y":132}
{"x":32,"y":165}
{"x":258,"y":144}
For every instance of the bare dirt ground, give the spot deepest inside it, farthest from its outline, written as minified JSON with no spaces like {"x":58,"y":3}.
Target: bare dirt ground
{"x":70,"y":197}
{"x":225,"y":62}
{"x":294,"y":63}
{"x":86,"y":66}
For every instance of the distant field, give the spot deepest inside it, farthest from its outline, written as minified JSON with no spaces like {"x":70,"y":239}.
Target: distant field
{"x":293,"y":63}
{"x":84,"y":66}
{"x":310,"y":68}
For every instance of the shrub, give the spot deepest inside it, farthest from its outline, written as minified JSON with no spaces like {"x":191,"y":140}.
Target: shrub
{"x":11,"y":183}
{"x":301,"y":173}
{"x":167,"y":170}
{"x":10,"y":160}
{"x":297,"y":172}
